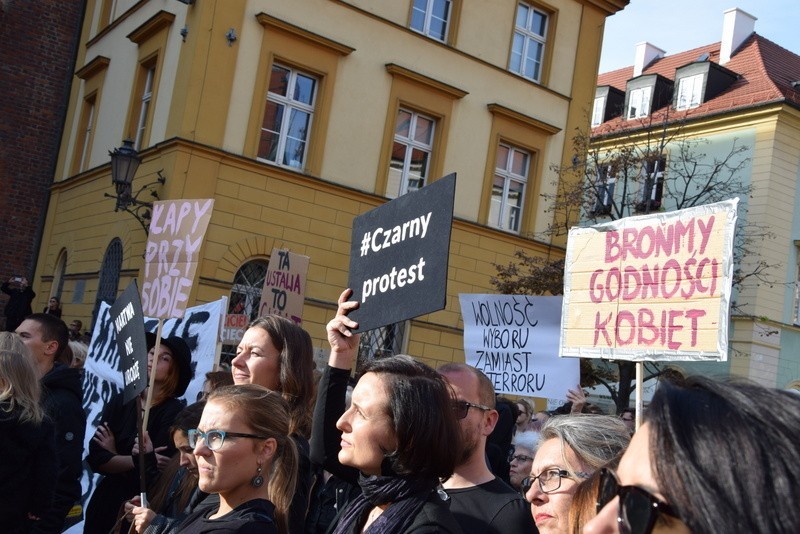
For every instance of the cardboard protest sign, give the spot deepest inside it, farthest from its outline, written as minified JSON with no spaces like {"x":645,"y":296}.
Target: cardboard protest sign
{"x":234,"y":327}
{"x":399,"y":255}
{"x":655,"y":287}
{"x":128,"y":321}
{"x":285,"y":285}
{"x":514,"y":341}
{"x":177,"y":230}
{"x":102,"y":378}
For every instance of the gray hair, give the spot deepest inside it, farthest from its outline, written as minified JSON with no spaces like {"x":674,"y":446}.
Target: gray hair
{"x":528,"y":439}
{"x":595,"y":439}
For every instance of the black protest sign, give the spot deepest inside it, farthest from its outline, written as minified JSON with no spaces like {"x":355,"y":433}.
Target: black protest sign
{"x":128,"y":320}
{"x":399,"y":255}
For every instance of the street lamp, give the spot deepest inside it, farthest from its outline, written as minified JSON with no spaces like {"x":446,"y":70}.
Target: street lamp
{"x":124,"y":164}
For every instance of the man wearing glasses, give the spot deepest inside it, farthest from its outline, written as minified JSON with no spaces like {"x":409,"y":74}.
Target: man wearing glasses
{"x":480,"y":502}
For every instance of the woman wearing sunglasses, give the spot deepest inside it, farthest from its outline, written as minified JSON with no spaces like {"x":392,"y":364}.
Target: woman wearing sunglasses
{"x":572,"y":447}
{"x":710,"y":457}
{"x":395,"y":440}
{"x":245,"y":455}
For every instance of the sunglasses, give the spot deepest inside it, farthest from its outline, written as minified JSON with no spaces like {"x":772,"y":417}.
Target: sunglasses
{"x":461,"y":408}
{"x":638,"y":509}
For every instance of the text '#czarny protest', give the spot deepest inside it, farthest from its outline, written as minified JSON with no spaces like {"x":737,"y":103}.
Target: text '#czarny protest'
{"x":384,"y":238}
{"x":668,"y":264}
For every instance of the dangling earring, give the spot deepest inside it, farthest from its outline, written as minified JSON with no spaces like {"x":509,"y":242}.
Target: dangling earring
{"x":257,"y":480}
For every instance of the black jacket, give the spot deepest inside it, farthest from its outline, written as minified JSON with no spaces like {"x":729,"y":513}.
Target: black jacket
{"x":61,"y":397}
{"x":26,"y":470}
{"x":18,"y":306}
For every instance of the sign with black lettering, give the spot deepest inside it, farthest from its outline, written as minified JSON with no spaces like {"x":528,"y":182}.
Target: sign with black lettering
{"x":399,"y":256}
{"x":128,"y":321}
{"x":514,"y":341}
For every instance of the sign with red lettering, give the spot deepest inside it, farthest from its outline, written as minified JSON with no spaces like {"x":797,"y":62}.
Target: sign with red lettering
{"x":172,"y":253}
{"x":235,"y":325}
{"x":285,"y":285}
{"x":655,"y":287}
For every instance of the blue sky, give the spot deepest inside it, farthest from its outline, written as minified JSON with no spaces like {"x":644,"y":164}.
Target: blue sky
{"x":678,"y":25}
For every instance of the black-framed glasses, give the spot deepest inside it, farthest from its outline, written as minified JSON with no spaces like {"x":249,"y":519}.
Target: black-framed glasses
{"x":549,"y":480}
{"x":519,"y":458}
{"x":461,"y":408}
{"x":214,"y":439}
{"x":638,"y":508}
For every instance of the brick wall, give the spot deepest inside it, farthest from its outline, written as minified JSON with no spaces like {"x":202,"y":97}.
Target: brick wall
{"x":37,"y":49}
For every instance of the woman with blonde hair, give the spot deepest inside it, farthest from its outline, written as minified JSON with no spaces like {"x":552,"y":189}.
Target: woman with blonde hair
{"x":246,"y":456}
{"x":27,"y":440}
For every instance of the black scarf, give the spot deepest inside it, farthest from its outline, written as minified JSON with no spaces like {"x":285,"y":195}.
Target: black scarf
{"x":405,"y":498}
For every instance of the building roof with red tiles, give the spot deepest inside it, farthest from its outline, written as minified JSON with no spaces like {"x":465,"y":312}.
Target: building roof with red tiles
{"x":765,"y":70}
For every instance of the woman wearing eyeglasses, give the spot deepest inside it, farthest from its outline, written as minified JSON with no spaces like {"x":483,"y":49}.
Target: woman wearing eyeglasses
{"x":245,"y":455}
{"x":524,"y":447}
{"x":395,"y":440}
{"x":711,"y":457}
{"x":571,"y":448}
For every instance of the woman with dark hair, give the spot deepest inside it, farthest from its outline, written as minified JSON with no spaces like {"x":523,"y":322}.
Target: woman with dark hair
{"x":111,"y":448}
{"x":27,"y":441}
{"x":245,"y":455}
{"x":175,"y":494}
{"x":711,"y":456}
{"x":53,"y":307}
{"x":277,"y":354}
{"x":396,"y":439}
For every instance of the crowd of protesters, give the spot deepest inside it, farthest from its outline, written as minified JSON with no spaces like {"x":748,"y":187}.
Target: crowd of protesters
{"x":402,"y":448}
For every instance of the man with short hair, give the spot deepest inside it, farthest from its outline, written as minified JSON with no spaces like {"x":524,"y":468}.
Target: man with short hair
{"x":46,"y":336}
{"x":480,"y":502}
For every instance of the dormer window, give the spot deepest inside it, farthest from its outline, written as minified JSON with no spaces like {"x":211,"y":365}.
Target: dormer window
{"x":690,"y":92}
{"x":598,"y":111}
{"x":639,"y":103}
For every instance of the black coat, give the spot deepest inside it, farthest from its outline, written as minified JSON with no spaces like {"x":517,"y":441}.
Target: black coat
{"x":18,"y":306}
{"x":61,"y":396}
{"x":28,"y":462}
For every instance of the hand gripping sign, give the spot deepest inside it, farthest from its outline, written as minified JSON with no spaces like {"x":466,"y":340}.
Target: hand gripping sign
{"x":399,"y":255}
{"x":655,"y":287}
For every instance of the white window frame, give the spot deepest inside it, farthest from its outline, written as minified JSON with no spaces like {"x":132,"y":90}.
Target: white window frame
{"x":652,"y":172}
{"x":146,"y":98}
{"x":411,"y":143}
{"x":509,"y":176}
{"x":639,"y":102}
{"x":289,"y":105}
{"x":598,"y":111}
{"x":425,"y":8}
{"x":605,"y":182}
{"x":691,"y":86}
{"x":524,"y":38}
{"x":87,"y":133}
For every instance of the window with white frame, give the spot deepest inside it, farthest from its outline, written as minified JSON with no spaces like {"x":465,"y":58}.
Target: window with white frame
{"x":527,"y":49}
{"x":652,"y":184}
{"x":432,"y":18}
{"x":690,"y":92}
{"x":508,"y":187}
{"x":796,"y":307}
{"x":604,"y":190}
{"x":287,"y":117}
{"x":411,"y":153}
{"x":144,"y":105}
{"x":639,"y":103}
{"x":85,"y":134}
{"x":598,"y":111}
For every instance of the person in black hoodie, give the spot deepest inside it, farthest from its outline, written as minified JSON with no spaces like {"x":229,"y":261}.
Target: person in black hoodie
{"x":46,"y":336}
{"x":20,"y":296}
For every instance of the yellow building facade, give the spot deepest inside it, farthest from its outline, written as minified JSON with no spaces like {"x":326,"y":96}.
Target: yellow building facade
{"x":298,"y":116}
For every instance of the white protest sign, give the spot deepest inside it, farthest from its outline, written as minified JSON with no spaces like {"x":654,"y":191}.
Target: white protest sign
{"x":102,"y":378}
{"x":655,"y":287}
{"x":285,"y":285}
{"x":171,"y":256}
{"x":234,"y":327}
{"x":514,"y":341}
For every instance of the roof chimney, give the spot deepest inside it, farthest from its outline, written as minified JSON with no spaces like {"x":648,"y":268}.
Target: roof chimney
{"x":645,"y":54}
{"x":737,"y":26}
